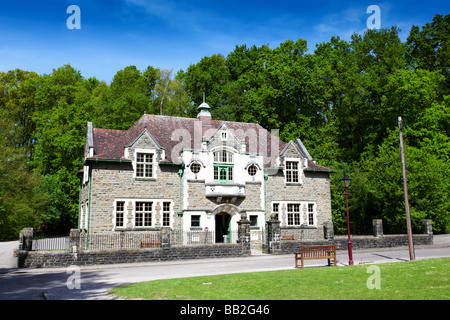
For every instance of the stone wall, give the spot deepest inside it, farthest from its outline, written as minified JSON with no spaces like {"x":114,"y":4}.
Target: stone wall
{"x":41,"y":259}
{"x":112,"y":180}
{"x":167,"y":252}
{"x":315,"y":189}
{"x":358,"y":242}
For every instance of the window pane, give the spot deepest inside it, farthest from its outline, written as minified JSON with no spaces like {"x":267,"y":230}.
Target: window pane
{"x":195,"y":221}
{"x":223,"y":174}
{"x":143,"y":214}
{"x":144,"y":165}
{"x":120,"y":206}
{"x":216,"y":173}
{"x":166,"y":214}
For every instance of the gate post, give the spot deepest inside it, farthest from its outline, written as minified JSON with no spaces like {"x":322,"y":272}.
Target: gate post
{"x":74,"y":240}
{"x":244,"y":233}
{"x":427,"y":226}
{"x":273,"y":235}
{"x":328,"y":230}
{"x":377,"y":227}
{"x":26,"y":239}
{"x":165,"y":238}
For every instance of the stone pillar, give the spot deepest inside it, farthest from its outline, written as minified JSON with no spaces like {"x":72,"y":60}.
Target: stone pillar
{"x":273,"y":235}
{"x":328,"y":231}
{"x":165,"y":238}
{"x":427,"y":226}
{"x":26,"y":239}
{"x":377,"y":227}
{"x":158,"y":215}
{"x":244,"y":233}
{"x":74,"y":240}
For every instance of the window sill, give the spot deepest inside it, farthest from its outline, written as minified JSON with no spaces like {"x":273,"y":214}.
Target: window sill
{"x":299,"y":227}
{"x":137,"y":228}
{"x":293,"y":183}
{"x":144,"y":179}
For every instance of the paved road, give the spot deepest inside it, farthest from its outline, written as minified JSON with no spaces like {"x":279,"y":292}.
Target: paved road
{"x":95,"y":281}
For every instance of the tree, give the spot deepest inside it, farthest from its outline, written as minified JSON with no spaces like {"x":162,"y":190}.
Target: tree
{"x":17,"y":103}
{"x":209,"y":77}
{"x":61,"y":116}
{"x":429,"y":48}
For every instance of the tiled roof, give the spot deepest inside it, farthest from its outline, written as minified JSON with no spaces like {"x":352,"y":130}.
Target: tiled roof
{"x":110,"y":144}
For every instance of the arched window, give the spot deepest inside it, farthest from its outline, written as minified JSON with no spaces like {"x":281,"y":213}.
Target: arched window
{"x":223,"y":166}
{"x":223,"y":157}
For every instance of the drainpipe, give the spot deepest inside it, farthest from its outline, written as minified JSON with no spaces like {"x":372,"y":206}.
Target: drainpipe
{"x":88,"y":212}
{"x":180,"y":212}
{"x":266,"y":177}
{"x":79,"y":203}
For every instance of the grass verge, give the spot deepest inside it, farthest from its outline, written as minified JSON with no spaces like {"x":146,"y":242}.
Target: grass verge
{"x":417,"y":280}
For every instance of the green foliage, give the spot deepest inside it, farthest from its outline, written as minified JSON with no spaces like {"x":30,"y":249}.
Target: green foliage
{"x":342,"y":100}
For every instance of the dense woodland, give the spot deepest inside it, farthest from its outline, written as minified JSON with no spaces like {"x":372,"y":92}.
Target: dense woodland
{"x":342,"y":99}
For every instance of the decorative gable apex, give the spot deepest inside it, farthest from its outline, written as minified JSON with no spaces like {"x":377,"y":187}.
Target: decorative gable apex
{"x":224,"y":136}
{"x":145,"y":141}
{"x":291,"y":150}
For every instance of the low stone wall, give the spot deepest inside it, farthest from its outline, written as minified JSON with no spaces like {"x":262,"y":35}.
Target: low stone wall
{"x":42,"y":259}
{"x":358,"y":242}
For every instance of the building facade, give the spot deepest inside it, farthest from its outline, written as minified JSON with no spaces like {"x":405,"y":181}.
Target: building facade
{"x":200,"y":174}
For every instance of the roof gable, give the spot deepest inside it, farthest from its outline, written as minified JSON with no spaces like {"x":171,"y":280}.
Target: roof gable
{"x":291,"y":150}
{"x":145,"y":141}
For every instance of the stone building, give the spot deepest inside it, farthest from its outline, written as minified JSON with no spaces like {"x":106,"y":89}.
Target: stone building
{"x":200,"y":174}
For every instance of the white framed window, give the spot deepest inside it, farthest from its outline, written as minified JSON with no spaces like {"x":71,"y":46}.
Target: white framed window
{"x":223,"y":156}
{"x":293,"y":214}
{"x":143,"y":214}
{"x":120,"y":213}
{"x":195,"y":221}
{"x":276,"y":209}
{"x":166,"y":214}
{"x":144,"y":165}
{"x":224,"y":135}
{"x":292,"y":172}
{"x":311,"y":214}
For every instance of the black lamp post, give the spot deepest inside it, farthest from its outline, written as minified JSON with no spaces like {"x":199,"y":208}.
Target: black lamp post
{"x":346,"y":183}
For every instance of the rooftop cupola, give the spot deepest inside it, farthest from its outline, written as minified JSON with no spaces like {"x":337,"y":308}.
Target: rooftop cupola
{"x":204,"y":114}
{"x":203,"y":110}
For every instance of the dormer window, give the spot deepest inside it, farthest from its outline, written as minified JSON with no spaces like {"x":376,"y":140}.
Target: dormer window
{"x":144,"y":165}
{"x":291,"y":172}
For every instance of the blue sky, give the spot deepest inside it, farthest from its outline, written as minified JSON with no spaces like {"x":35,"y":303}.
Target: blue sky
{"x":171,"y":34}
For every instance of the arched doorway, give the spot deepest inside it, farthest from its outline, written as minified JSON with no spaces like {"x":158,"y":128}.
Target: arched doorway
{"x":223,"y":227}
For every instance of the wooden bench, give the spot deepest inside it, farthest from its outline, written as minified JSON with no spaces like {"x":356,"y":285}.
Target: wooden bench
{"x":150,"y":244}
{"x":287,"y":238}
{"x":316,"y":252}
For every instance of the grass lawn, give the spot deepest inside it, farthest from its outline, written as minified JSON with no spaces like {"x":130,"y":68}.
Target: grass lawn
{"x":419,"y":280}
